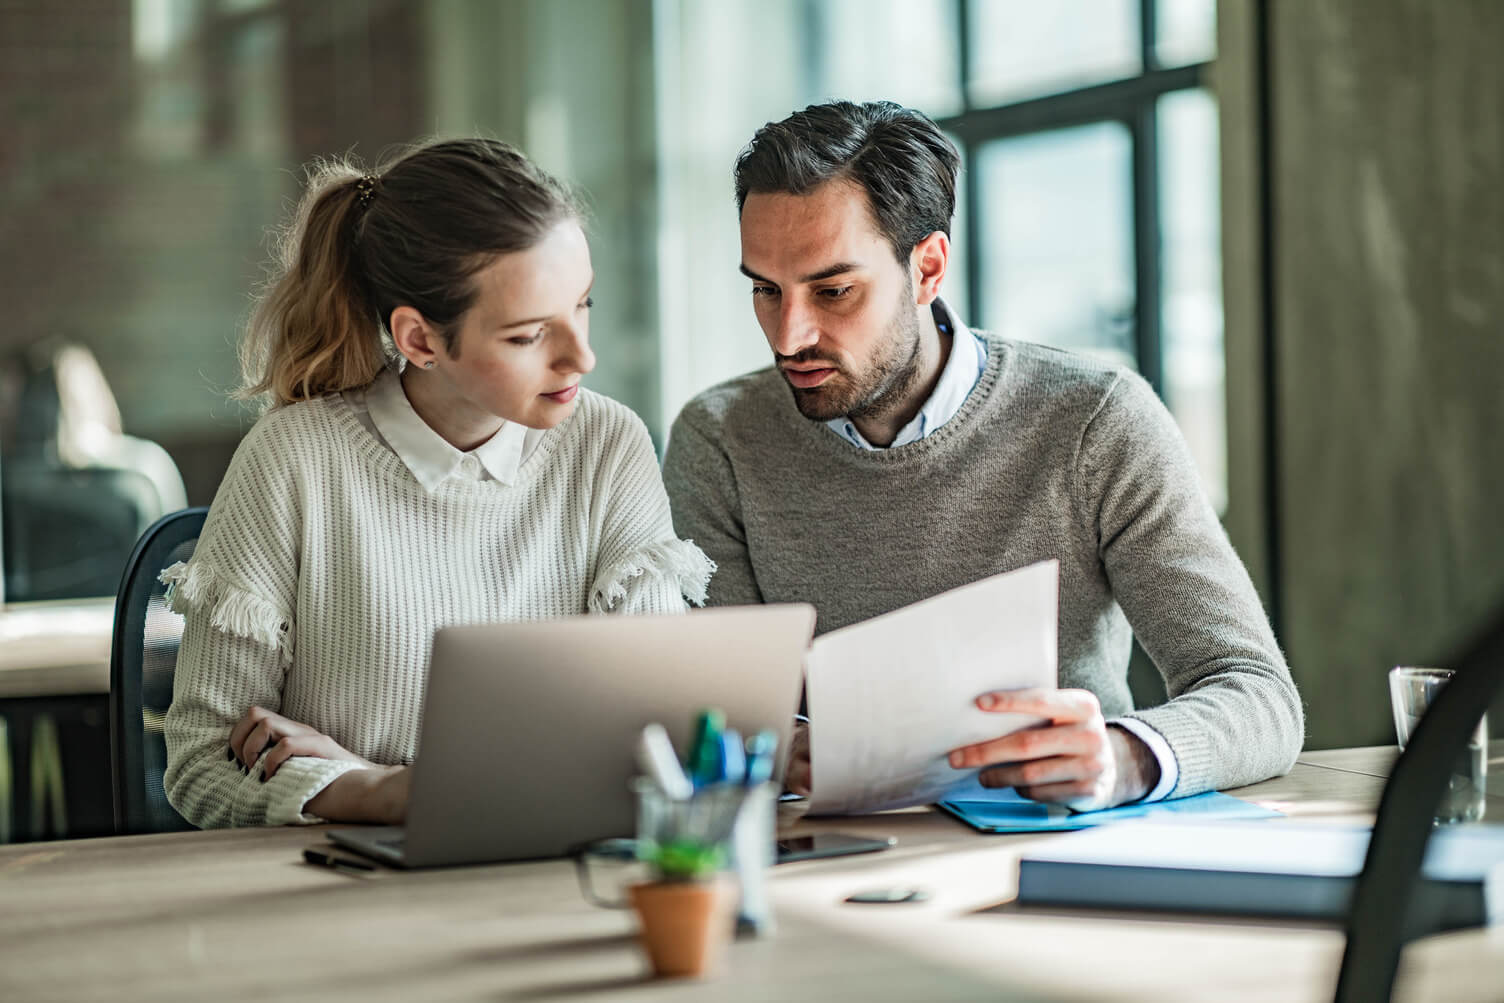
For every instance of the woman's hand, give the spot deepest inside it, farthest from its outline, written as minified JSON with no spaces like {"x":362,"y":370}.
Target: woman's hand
{"x":378,"y":795}
{"x":262,"y":731}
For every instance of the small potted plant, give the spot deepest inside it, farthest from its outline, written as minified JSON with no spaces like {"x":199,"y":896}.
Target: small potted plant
{"x":686,"y":913}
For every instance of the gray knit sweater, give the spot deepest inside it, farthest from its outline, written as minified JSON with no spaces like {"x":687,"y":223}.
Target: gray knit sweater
{"x":1052,"y":456}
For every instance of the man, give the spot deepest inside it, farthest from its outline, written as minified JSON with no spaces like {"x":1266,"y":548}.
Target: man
{"x":892,"y":454}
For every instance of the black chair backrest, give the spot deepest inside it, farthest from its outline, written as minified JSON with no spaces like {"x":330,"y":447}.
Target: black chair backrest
{"x":1377,"y":926}
{"x":142,"y":660}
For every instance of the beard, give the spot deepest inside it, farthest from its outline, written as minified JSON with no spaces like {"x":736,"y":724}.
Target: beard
{"x":882,"y":386}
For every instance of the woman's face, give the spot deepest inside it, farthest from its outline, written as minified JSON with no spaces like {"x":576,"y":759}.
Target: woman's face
{"x":525,"y":342}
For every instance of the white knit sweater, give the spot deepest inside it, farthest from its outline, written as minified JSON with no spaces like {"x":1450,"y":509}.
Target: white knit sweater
{"x":325,"y":566}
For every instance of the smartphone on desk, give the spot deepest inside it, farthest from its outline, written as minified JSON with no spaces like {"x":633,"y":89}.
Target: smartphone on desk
{"x":828,"y":844}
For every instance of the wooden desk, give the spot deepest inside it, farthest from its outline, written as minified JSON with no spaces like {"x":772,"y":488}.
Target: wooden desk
{"x":50,"y":649}
{"x":237,"y":915}
{"x":54,"y":718}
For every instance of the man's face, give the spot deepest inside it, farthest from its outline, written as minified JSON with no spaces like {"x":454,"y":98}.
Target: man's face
{"x":837,"y":308}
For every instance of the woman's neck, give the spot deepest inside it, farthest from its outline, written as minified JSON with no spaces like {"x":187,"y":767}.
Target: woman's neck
{"x":442,"y":410}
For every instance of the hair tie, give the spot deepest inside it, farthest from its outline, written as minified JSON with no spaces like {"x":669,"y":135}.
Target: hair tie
{"x":365,"y":188}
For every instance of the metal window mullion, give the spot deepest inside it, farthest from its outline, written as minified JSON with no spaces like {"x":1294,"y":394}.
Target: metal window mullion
{"x":963,"y":52}
{"x":1148,"y":28}
{"x":1115,"y":99}
{"x":974,"y":297}
{"x":1146,"y":246}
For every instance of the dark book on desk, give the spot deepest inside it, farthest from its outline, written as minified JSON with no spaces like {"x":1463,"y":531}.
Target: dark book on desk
{"x":1260,"y":869}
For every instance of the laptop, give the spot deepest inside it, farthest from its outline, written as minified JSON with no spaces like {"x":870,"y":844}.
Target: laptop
{"x":529,"y":728}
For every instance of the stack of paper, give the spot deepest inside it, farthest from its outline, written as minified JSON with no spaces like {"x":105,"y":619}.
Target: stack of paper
{"x":890,"y":697}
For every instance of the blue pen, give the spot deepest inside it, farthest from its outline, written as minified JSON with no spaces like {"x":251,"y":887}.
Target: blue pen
{"x":761,"y":748}
{"x":733,"y":758}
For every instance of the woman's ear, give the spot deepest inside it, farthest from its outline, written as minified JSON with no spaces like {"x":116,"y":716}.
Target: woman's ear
{"x":927,"y":263}
{"x":418,"y":342}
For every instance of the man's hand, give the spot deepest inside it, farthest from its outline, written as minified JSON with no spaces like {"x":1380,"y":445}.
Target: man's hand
{"x":281,"y":738}
{"x":798,"y":777}
{"x":1073,"y":759}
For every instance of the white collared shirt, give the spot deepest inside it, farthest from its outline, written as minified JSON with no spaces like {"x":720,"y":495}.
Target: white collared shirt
{"x":962,"y":371}
{"x":384,"y":410}
{"x":963,"y":367}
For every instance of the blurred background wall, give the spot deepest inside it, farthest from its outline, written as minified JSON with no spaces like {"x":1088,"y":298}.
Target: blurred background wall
{"x":1314,"y":179}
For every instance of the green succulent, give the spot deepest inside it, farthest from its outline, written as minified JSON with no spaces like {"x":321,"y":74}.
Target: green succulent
{"x":684,"y":859}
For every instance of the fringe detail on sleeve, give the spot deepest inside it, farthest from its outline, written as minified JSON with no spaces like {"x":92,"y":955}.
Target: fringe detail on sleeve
{"x":679,"y":561}
{"x":198,"y":587}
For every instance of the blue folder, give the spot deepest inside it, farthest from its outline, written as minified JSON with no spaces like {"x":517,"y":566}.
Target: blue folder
{"x":1002,"y":810}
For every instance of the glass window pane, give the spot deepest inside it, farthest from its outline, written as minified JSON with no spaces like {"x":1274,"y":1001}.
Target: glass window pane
{"x":1057,"y":239}
{"x":1187,"y":31}
{"x":1024,"y":48}
{"x":1191,"y":320}
{"x":896,"y":50}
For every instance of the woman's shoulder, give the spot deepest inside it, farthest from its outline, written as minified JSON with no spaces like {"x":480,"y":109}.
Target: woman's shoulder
{"x":297,"y":435}
{"x":301,"y":426}
{"x":607,"y":421}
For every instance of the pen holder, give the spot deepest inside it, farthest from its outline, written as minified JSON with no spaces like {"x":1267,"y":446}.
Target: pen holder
{"x":693,"y":849}
{"x":739,"y":822}
{"x":685,"y":914}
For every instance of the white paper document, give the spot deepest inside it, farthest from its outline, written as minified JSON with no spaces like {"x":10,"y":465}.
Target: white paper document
{"x":890,"y":697}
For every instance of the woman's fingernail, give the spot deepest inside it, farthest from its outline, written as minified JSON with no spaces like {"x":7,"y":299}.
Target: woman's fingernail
{"x":956,"y":758}
{"x":986,"y":701}
{"x":263,"y":776}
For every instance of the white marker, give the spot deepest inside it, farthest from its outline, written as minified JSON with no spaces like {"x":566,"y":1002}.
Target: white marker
{"x":656,"y":758}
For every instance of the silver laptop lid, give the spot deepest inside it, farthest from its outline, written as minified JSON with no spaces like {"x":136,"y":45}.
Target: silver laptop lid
{"x":529,"y":728}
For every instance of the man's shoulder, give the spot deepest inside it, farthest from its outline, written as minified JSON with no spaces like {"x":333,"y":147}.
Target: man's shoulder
{"x":1050,"y":379}
{"x":1054,"y":366}
{"x":760,"y":393}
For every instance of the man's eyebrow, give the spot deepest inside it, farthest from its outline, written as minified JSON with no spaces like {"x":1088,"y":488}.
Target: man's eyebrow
{"x":839,"y":268}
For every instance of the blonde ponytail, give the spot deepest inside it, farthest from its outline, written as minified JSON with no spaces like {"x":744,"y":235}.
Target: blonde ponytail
{"x":313,"y":331}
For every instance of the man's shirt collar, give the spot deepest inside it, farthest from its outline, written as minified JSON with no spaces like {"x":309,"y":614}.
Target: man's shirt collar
{"x":963,"y":367}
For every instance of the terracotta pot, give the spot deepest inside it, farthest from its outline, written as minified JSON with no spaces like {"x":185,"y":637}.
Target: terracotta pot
{"x":685,"y":924}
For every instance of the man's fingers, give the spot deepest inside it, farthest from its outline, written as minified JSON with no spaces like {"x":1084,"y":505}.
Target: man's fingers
{"x":1033,"y":743}
{"x":1039,"y":773}
{"x":1077,"y":795}
{"x":1056,"y":706}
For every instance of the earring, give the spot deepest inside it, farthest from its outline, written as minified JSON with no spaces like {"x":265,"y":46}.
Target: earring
{"x":428,"y":364}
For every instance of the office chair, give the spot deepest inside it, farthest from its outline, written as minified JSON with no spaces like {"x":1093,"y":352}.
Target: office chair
{"x":1376,"y":926}
{"x":143,"y":655}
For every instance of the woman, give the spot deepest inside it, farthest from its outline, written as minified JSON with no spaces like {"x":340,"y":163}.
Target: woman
{"x":430,"y":458}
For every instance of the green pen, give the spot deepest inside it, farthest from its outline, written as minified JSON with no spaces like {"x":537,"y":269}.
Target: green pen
{"x":705,"y":748}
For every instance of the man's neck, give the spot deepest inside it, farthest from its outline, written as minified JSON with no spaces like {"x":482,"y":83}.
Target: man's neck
{"x":934,"y":349}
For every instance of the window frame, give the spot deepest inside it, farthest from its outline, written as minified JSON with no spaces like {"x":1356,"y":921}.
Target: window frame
{"x":1131,"y":101}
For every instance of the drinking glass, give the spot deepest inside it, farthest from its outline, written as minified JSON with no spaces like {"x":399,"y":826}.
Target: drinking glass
{"x":1411,"y":690}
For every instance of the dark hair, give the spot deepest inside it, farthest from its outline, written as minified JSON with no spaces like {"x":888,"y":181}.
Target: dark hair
{"x":899,"y":157}
{"x":413,"y":233}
